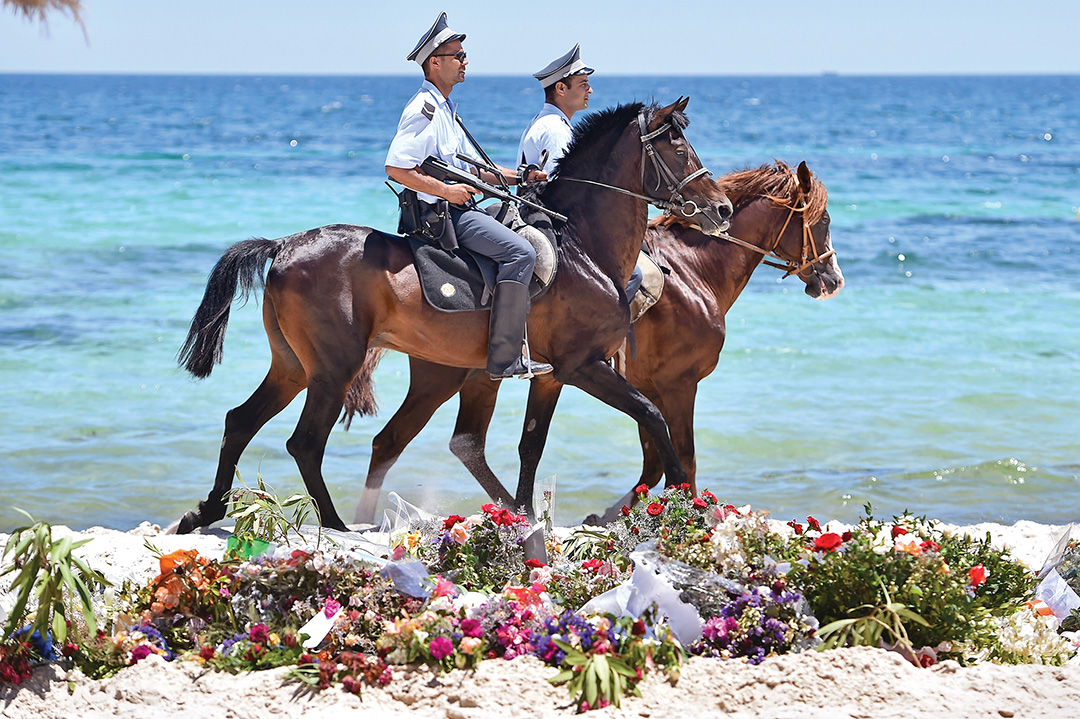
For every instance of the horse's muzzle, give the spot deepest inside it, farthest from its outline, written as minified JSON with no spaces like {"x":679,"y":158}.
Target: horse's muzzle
{"x":715,"y":219}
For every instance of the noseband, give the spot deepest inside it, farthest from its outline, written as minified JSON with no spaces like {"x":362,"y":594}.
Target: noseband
{"x":675,"y":203}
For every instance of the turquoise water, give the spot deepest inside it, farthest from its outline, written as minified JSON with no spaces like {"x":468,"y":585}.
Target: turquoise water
{"x":941,"y":380}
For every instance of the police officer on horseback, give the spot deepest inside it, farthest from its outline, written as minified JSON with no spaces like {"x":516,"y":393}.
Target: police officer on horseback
{"x":429,"y":126}
{"x":544,"y":142}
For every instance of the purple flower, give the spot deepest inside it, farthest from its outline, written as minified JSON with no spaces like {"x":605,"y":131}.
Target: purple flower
{"x":441,"y":648}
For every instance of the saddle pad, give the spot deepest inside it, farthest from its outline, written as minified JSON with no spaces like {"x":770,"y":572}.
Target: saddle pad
{"x":452,"y":281}
{"x":652,"y":284}
{"x":458,"y":281}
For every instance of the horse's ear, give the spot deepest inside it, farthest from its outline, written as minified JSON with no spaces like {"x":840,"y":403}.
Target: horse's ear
{"x":661,"y":116}
{"x":806,"y":181}
{"x":680,"y":104}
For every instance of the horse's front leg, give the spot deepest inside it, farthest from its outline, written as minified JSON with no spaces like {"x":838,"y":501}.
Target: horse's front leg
{"x":477,"y":405}
{"x":430,"y":385}
{"x":544,"y":393}
{"x":601,"y":381}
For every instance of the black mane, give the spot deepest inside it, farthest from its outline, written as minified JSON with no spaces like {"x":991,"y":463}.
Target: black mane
{"x":585,"y":150}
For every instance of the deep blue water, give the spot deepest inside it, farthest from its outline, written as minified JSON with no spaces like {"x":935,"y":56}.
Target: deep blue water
{"x":941,"y":380}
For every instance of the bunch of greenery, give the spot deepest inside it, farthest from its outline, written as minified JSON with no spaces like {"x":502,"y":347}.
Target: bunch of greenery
{"x":260,"y":515}
{"x":893,"y":583}
{"x":604,"y":659}
{"x":48,"y":574}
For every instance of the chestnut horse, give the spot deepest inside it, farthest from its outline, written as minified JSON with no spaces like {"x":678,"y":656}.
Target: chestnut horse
{"x":678,"y":340}
{"x":336,"y":292}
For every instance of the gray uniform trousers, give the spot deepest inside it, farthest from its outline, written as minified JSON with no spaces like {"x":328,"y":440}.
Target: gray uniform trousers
{"x":483,"y":234}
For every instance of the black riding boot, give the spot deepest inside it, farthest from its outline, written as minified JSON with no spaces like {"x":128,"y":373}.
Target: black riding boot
{"x":506,"y":333}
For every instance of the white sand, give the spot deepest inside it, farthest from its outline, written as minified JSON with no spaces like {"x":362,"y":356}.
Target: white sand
{"x":845,"y":683}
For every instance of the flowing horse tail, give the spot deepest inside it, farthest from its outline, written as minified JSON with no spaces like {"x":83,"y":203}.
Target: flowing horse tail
{"x":360,"y":399}
{"x":242,"y":265}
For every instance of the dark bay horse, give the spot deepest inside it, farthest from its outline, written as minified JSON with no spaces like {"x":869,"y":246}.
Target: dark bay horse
{"x":336,"y":292}
{"x":778,"y":211}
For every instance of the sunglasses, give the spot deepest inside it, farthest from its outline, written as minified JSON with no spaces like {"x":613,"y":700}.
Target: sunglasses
{"x":460,"y":55}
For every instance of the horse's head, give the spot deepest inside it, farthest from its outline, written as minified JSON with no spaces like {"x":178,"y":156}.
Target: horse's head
{"x":806,"y":244}
{"x":672,"y":174}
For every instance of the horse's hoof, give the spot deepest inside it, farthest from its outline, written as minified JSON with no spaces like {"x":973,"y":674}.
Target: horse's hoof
{"x":189,"y":523}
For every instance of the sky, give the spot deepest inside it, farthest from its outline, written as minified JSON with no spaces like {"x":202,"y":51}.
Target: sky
{"x":627,"y":37}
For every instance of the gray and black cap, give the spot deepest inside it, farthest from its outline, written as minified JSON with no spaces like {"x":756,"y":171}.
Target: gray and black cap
{"x":439,"y":34}
{"x":567,"y":65}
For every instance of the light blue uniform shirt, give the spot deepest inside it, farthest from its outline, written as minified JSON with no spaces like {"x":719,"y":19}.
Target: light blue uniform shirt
{"x":551,"y":131}
{"x":428,"y":126}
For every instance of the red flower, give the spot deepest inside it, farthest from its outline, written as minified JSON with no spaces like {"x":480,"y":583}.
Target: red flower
{"x":730,"y":509}
{"x":796,"y":526}
{"x":828,"y":542}
{"x":206,"y":652}
{"x":534,"y":563}
{"x":593,"y":564}
{"x":897,"y":531}
{"x":977,"y":575}
{"x":641,"y":489}
{"x":813,"y":524}
{"x":700,"y":503}
{"x":450,"y":521}
{"x":846,"y":536}
{"x":930,"y":546}
{"x":638,"y":629}
{"x":654,"y":509}
{"x":635,"y":530}
{"x":625,"y":511}
{"x":709,"y":496}
{"x":685,"y":486}
{"x":259,"y":633}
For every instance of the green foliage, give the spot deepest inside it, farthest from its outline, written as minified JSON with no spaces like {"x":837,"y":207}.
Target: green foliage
{"x":261,"y":516}
{"x":602,"y":675}
{"x":45,"y":571}
{"x":870,"y":628}
{"x":1008,"y":582}
{"x":907,"y":581}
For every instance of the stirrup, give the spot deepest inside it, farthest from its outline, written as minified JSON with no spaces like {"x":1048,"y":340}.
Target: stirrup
{"x":523,"y":368}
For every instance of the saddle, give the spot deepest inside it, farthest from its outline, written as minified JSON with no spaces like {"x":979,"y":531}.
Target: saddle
{"x":463,"y":281}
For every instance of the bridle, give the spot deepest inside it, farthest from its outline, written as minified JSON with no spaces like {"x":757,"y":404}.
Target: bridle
{"x":809,"y":255}
{"x":675,"y":203}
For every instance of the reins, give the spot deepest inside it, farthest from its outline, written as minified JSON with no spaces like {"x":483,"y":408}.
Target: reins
{"x":675,"y":202}
{"x":808,"y":243}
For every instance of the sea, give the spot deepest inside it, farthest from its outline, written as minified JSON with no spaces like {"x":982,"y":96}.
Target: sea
{"x":943,"y":379}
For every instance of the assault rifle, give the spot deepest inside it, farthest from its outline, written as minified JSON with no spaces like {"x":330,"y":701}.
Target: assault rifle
{"x":443,"y":172}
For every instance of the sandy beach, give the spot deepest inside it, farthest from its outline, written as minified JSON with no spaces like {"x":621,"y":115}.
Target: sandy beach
{"x":859,"y":682}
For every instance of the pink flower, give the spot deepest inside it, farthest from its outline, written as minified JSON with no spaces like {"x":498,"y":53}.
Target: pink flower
{"x":140,"y":652}
{"x":332,"y":607}
{"x":828,"y":542}
{"x":398,"y":553}
{"x":444,"y":587}
{"x":977,"y":575}
{"x":654,"y":509}
{"x":472,"y":628}
{"x":441,"y":648}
